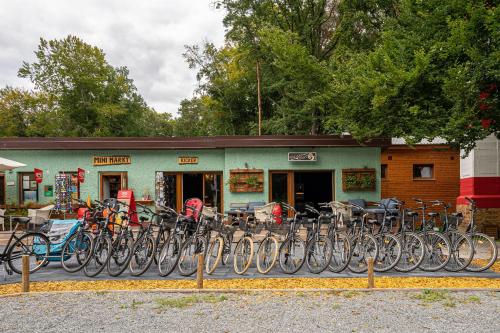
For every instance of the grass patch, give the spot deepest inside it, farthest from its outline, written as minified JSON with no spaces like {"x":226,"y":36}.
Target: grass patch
{"x":134,"y":305}
{"x":431,"y":296}
{"x":335,"y":306}
{"x":187,"y":301}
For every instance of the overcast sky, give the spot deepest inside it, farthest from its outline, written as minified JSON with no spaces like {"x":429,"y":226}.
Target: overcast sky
{"x":147,"y":36}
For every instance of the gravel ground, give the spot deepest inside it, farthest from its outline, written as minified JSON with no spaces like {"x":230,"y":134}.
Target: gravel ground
{"x":348,"y":311}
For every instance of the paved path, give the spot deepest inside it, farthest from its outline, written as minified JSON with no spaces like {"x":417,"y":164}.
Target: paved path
{"x":54,"y":272}
{"x":350,"y":311}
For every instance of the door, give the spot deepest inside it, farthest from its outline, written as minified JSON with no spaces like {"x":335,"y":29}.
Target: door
{"x":111,"y":183}
{"x":2,"y":189}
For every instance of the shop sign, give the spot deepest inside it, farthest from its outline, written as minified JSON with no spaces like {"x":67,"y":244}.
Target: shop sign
{"x":111,"y":160}
{"x":38,"y":175}
{"x":48,"y":191}
{"x":81,"y":175}
{"x":302,"y":157}
{"x":187,"y":160}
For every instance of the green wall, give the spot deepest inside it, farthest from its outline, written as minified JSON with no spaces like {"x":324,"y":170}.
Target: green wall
{"x":141,"y":172}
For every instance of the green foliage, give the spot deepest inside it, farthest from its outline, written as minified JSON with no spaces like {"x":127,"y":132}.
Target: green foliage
{"x":77,"y":93}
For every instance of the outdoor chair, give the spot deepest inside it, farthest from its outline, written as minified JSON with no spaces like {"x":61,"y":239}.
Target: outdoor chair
{"x":40,"y":216}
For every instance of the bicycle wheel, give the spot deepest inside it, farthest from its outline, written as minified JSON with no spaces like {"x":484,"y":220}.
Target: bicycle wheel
{"x":292,"y":254}
{"x":389,"y":252}
{"x":188,"y":260}
{"x":412,"y":252}
{"x":121,"y":255}
{"x":169,"y":255}
{"x":485,"y":252}
{"x":35,"y":245}
{"x":76,"y":252}
{"x":462,"y":251}
{"x":318,"y":254}
{"x":362,"y":247}
{"x":100,"y":256}
{"x":143,"y":253}
{"x":214,"y":254}
{"x":437,"y":251}
{"x":341,"y":252}
{"x":243,"y":255}
{"x":161,"y":238}
{"x":267,"y":253}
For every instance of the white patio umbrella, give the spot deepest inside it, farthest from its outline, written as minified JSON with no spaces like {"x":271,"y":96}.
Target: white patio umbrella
{"x":6,"y":164}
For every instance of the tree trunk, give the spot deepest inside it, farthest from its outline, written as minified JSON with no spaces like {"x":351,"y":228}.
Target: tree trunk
{"x":259,"y":102}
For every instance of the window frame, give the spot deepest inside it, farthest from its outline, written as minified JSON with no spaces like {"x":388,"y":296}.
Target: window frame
{"x":431,"y":165}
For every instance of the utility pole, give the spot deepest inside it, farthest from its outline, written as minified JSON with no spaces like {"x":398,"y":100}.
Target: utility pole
{"x":259,"y":102}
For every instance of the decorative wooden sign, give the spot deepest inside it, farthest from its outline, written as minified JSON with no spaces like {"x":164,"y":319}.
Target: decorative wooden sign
{"x":302,"y":157}
{"x":111,"y":160}
{"x":358,"y":180}
{"x":187,"y":160}
{"x":246,"y":180}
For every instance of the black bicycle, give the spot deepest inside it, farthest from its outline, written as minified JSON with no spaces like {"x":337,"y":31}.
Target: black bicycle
{"x":33,"y":244}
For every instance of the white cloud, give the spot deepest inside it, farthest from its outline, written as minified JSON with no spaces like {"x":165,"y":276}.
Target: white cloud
{"x":146,"y":36}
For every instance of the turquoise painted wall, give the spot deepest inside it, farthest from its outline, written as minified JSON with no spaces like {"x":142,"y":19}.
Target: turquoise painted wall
{"x":141,"y":173}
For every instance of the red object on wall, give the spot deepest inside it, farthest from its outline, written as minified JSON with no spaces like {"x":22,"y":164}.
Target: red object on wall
{"x":38,"y":175}
{"x":81,"y":175}
{"x":127,"y":196}
{"x":484,"y":190}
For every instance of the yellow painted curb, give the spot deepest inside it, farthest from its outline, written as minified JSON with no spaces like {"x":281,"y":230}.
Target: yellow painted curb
{"x":261,"y":284}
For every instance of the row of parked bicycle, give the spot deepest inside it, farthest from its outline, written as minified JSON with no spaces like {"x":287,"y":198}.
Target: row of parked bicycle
{"x":336,"y":236}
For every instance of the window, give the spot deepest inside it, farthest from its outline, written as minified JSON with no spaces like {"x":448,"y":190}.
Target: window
{"x":383,"y":171}
{"x":28,"y":188}
{"x":423,"y":171}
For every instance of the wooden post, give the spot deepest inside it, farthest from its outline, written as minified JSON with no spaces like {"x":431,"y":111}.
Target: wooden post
{"x":371,"y":281}
{"x":259,"y":98}
{"x":26,"y":273}
{"x":199,"y":272}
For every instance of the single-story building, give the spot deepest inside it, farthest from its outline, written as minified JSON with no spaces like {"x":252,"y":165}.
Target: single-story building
{"x":220,"y":170}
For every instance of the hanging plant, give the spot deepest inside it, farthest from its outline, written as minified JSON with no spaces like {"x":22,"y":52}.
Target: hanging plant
{"x":252,"y":181}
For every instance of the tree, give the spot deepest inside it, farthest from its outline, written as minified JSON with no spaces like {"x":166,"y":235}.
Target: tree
{"x":434,"y":72}
{"x":92,"y":97}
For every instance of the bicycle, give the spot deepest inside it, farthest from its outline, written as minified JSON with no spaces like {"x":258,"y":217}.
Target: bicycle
{"x":341,"y":245}
{"x":103,"y":241}
{"x":437,"y":246}
{"x":389,"y":246}
{"x":292,"y":251}
{"x":219,"y":247}
{"x":244,"y":250}
{"x":76,"y":252}
{"x":33,"y":244}
{"x":482,"y":244}
{"x":461,"y":244}
{"x":363,"y":244}
{"x":267,"y":253}
{"x":319,"y":248}
{"x":412,"y":245}
{"x":147,"y":247}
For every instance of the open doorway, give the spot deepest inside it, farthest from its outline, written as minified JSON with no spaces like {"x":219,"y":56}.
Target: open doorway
{"x":111,"y":183}
{"x":298,"y":188}
{"x":192,"y":186}
{"x":312,"y":187}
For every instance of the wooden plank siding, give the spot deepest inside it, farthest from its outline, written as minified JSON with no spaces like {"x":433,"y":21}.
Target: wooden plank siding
{"x":399,"y":181}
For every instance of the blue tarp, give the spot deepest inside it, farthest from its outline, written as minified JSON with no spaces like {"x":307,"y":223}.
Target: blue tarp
{"x":58,"y":234}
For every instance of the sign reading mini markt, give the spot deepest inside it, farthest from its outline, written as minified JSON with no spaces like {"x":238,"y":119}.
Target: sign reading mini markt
{"x":187,"y":160}
{"x":302,"y":157}
{"x":111,"y":160}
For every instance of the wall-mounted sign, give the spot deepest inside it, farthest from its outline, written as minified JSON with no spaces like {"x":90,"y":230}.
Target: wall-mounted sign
{"x":302,"y":157}
{"x":38,"y":175}
{"x":187,"y":160}
{"x":48,"y":190}
{"x":111,"y":160}
{"x":81,"y":175}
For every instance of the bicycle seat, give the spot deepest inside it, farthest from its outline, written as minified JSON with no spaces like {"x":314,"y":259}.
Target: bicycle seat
{"x":21,"y":219}
{"x":433,"y":214}
{"x":390,"y":218}
{"x":458,"y":214}
{"x":374,"y":221}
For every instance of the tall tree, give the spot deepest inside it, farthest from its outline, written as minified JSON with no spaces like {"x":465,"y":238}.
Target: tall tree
{"x":93,"y":97}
